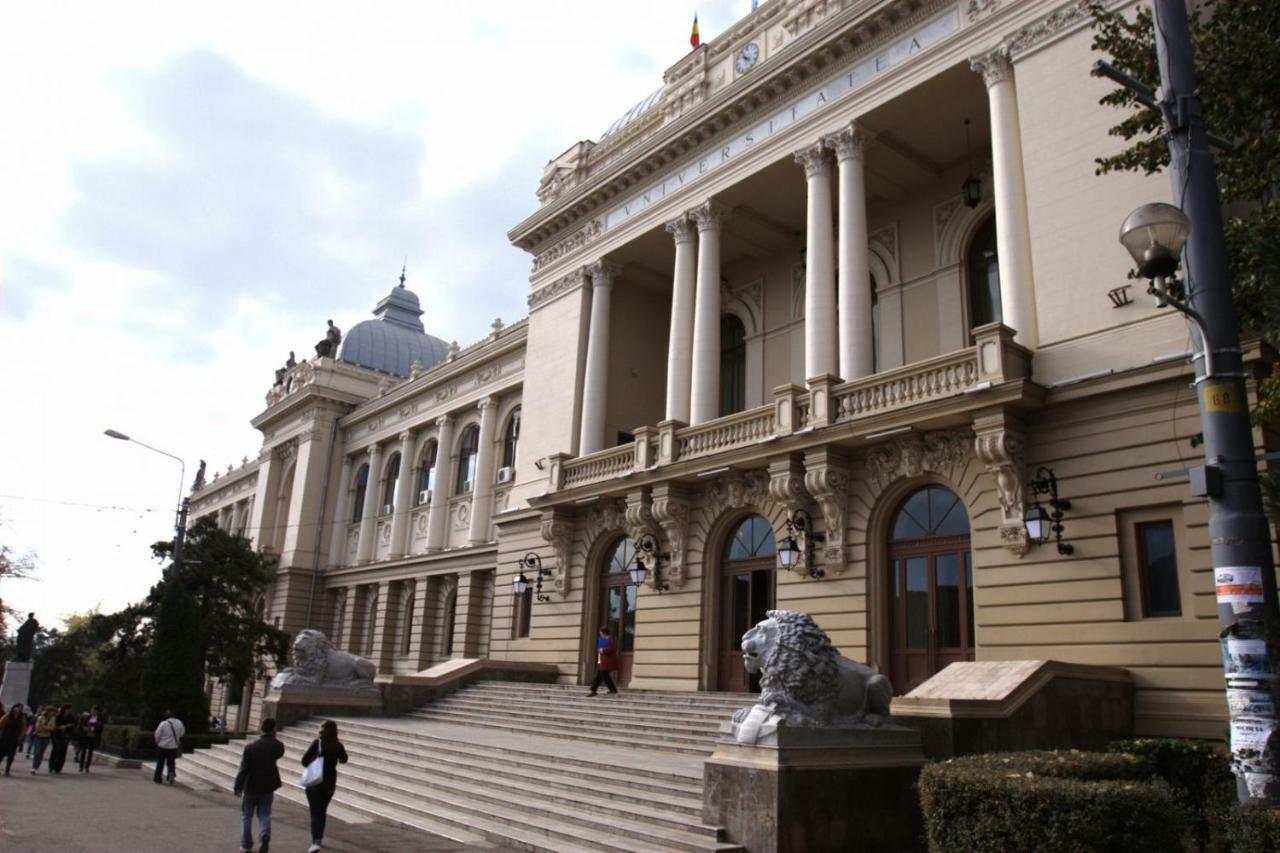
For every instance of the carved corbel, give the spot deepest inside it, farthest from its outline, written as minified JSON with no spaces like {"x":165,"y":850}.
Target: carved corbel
{"x":1000,"y":445}
{"x":640,"y":523}
{"x":670,"y":509}
{"x":826,"y":477}
{"x":557,"y":531}
{"x":786,"y":483}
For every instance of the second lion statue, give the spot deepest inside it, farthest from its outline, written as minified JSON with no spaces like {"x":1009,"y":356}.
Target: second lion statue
{"x":316,"y":663}
{"x":804,"y":681}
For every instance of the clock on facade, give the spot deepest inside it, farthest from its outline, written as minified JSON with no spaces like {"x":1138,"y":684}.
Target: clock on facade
{"x":747,"y":58}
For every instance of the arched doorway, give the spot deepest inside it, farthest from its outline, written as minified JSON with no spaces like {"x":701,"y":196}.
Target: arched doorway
{"x":747,"y":580}
{"x":931,"y":586}
{"x":617,"y":611}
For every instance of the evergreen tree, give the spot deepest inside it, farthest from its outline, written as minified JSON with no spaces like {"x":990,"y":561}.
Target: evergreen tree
{"x":174,"y":675}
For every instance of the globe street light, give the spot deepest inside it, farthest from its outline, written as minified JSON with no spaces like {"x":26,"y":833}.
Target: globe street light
{"x":180,"y":523}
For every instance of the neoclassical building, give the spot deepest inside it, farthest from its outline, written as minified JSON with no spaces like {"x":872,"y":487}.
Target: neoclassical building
{"x":849,"y":268}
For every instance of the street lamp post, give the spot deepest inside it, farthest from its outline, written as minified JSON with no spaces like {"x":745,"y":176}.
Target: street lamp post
{"x":180,"y":517}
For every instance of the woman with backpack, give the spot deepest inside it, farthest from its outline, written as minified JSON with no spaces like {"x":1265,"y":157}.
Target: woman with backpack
{"x":328,"y":747}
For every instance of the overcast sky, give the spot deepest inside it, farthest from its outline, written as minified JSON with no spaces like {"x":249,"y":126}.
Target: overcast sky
{"x":189,"y":190}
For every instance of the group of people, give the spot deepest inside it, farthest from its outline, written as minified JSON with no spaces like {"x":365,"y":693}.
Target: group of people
{"x":50,"y":729}
{"x":259,"y":778}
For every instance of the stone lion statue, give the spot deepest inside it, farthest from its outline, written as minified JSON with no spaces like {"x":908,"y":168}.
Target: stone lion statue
{"x":804,"y":681}
{"x":316,"y":663}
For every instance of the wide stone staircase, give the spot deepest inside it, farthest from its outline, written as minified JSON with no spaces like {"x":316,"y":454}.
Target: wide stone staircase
{"x":526,"y":766}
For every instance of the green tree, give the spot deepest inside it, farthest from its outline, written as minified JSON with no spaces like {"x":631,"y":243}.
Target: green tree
{"x":174,"y":674}
{"x":13,"y":566}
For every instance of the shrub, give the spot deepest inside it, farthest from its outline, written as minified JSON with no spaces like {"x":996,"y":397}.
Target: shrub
{"x":1253,"y":829}
{"x":1199,"y":774}
{"x":1048,"y":801}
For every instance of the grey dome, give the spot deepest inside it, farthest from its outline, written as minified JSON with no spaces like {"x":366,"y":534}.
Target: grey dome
{"x":395,"y":338}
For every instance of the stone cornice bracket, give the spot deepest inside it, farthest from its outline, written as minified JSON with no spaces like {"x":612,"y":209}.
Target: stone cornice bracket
{"x":848,"y":143}
{"x":640,"y":523}
{"x":603,"y":272}
{"x":682,"y":229}
{"x":786,"y":483}
{"x":709,"y":216}
{"x":1000,"y":445}
{"x":670,"y":509}
{"x":814,"y":159}
{"x":826,"y":477}
{"x":557,"y":531}
{"x":994,"y":65}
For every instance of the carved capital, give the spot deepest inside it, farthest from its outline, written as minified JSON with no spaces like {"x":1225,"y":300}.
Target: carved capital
{"x":557,"y":531}
{"x":709,"y":216}
{"x":682,"y":229}
{"x":994,"y":65}
{"x":444,"y":421}
{"x":848,"y":143}
{"x":603,"y":273}
{"x":827,"y":479}
{"x":815,"y":160}
{"x":406,"y":436}
{"x":670,"y":510}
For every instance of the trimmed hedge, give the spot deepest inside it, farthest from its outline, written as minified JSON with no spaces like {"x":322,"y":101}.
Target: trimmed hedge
{"x":1253,"y":829}
{"x":1200,"y":777}
{"x":1048,"y":801}
{"x":131,"y":742}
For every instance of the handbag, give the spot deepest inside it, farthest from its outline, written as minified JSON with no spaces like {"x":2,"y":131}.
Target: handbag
{"x":313,"y":773}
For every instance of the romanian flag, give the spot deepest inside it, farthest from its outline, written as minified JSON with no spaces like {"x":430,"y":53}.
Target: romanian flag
{"x":694,"y":38}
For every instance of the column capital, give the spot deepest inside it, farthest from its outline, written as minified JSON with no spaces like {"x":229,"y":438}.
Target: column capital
{"x":682,"y":229}
{"x":709,"y":216}
{"x":848,"y":143}
{"x":373,"y":449}
{"x":603,"y":272}
{"x":994,"y":65}
{"x":487,"y":402}
{"x":444,"y":421}
{"x":406,"y":435}
{"x":814,"y":159}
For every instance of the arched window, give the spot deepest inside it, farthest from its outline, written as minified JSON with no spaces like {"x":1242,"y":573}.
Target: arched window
{"x":747,"y":577}
{"x":931,"y":586}
{"x":733,"y":365}
{"x":983,"y":265}
{"x":618,"y":602}
{"x":362,"y":486}
{"x":427,"y":473}
{"x":468,"y":453}
{"x":390,"y":483}
{"x":510,"y":439}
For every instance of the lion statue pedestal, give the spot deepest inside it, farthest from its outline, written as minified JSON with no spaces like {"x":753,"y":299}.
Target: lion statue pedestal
{"x":816,"y":764}
{"x":323,"y":681}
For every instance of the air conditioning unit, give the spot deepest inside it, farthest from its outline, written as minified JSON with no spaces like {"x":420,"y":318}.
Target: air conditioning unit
{"x":387,"y":509}
{"x":424,"y":496}
{"x":466,"y":488}
{"x":506,"y":474}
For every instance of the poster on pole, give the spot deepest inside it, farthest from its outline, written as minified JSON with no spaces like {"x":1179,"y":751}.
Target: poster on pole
{"x":1238,"y":586}
{"x":1249,"y":736}
{"x":1243,"y":702}
{"x":1243,"y":658}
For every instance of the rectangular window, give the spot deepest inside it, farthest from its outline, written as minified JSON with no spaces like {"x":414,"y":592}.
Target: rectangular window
{"x":522,"y":616}
{"x":1158,"y":568}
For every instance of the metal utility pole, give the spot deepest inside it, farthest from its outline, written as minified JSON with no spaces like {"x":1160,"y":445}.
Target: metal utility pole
{"x":1239,"y":534}
{"x":180,"y":534}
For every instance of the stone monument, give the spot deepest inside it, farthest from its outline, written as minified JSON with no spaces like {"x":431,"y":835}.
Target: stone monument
{"x":16,"y":684}
{"x":816,"y":764}
{"x":323,"y":680}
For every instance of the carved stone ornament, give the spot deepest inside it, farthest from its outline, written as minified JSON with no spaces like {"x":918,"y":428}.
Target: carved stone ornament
{"x":1047,"y":27}
{"x":709,"y":216}
{"x":994,"y":66}
{"x":815,"y":160}
{"x":1002,"y":451}
{"x":317,"y":664}
{"x":640,"y":523}
{"x":671,"y":512}
{"x":682,"y":229}
{"x":911,"y":456}
{"x":828,"y":482}
{"x":739,"y":489}
{"x":609,"y":514}
{"x":566,"y":283}
{"x":580,"y":238}
{"x":786,"y":484}
{"x":977,"y":8}
{"x":848,"y":143}
{"x":557,"y":531}
{"x":286,"y":450}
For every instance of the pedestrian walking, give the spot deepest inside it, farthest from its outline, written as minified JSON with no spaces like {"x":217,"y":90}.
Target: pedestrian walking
{"x":327,"y":747}
{"x":12,"y":725}
{"x":606,"y":662}
{"x":169,"y":744}
{"x":90,"y":736}
{"x":29,"y":736}
{"x":257,"y":782}
{"x":42,"y":734}
{"x":64,"y":725}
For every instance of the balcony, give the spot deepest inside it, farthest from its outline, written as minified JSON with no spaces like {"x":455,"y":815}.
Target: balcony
{"x":993,"y":362}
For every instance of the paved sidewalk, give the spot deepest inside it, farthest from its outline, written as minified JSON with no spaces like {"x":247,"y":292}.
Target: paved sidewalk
{"x":113,"y":809}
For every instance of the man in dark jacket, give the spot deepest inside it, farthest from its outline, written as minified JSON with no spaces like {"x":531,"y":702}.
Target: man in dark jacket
{"x":257,"y":782}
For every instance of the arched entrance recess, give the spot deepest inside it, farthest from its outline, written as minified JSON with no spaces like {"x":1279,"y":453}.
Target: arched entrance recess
{"x":930,"y":586}
{"x":617,"y":611}
{"x":747,"y":578}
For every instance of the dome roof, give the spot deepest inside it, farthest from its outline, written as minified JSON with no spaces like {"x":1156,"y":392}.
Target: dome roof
{"x":395,"y":338}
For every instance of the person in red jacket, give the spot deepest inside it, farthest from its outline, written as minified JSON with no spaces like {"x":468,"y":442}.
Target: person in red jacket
{"x":606,"y":662}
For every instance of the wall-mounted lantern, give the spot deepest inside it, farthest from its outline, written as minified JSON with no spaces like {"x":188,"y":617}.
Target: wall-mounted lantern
{"x":533,"y":563}
{"x":972,"y":186}
{"x":797,"y":545}
{"x":647,"y":553}
{"x":1042,"y":524}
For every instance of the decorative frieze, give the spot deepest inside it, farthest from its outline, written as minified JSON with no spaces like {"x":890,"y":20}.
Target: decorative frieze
{"x":566,"y":283}
{"x":579,"y":239}
{"x":913,"y":455}
{"x":1047,"y":27}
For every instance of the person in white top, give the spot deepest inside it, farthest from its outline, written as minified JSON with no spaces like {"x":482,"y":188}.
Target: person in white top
{"x":169,"y":744}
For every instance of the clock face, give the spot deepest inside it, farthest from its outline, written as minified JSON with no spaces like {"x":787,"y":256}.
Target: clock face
{"x":747,"y":58}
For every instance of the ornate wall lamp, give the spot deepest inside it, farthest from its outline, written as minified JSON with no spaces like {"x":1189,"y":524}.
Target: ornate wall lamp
{"x":1042,"y":524}
{"x":798,"y":544}
{"x":972,"y":186}
{"x":647,"y":552}
{"x":533,"y":563}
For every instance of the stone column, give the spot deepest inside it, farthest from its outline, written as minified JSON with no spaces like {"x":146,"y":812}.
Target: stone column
{"x":819,"y":273}
{"x":482,"y":493}
{"x":341,"y":507}
{"x":438,"y":511}
{"x":595,"y":388}
{"x":1013,"y":229}
{"x":857,"y":357}
{"x":404,"y":497}
{"x":369,"y":519}
{"x":383,"y":635}
{"x":423,"y":629}
{"x":680,"y":349}
{"x":705,"y":402}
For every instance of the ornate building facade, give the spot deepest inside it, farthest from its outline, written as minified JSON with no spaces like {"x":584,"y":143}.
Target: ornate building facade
{"x":849,"y":266}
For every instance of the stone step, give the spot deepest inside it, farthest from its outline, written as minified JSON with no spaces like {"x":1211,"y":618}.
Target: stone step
{"x":637,"y":723}
{"x":664,"y":698}
{"x":689,"y":744}
{"x":601,"y":707}
{"x":670,"y":793}
{"x":546,"y":828}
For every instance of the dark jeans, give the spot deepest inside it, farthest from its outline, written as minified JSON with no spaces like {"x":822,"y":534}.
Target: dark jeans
{"x":603,"y":677}
{"x":7,"y":752}
{"x":260,"y":803}
{"x":42,"y":743}
{"x":318,"y":797}
{"x":87,"y":746}
{"x":169,"y":757}
{"x":58,"y":755}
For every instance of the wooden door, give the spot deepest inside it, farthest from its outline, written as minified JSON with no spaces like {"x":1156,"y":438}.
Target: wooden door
{"x":618,"y":597}
{"x":747,"y":579}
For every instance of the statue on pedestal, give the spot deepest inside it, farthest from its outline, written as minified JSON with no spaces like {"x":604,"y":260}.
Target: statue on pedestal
{"x":328,"y":346}
{"x":26,"y":639}
{"x":199,"y":481}
{"x":316,"y":663}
